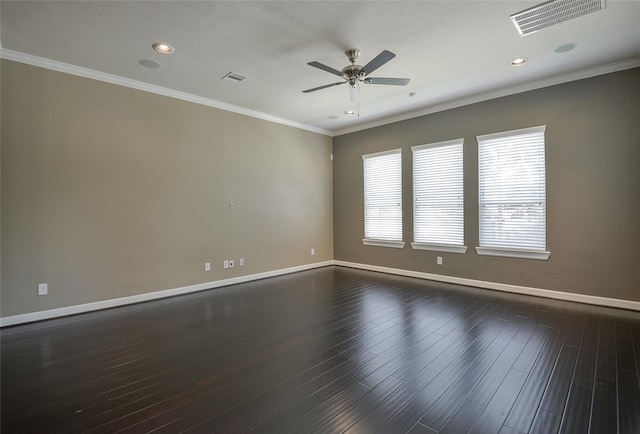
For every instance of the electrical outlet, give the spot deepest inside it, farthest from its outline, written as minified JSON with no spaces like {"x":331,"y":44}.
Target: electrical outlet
{"x":230,"y":263}
{"x":225,"y":264}
{"x":241,"y":262}
{"x":232,"y":205}
{"x":43,"y":289}
{"x":439,"y":260}
{"x":313,"y":252}
{"x":207,"y":266}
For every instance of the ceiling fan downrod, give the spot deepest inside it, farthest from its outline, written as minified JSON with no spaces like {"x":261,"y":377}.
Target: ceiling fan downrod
{"x":352,"y":73}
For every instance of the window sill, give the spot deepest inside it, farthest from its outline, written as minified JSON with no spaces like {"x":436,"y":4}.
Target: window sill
{"x":513,"y":253}
{"x":383,"y":243}
{"x":449,"y":248}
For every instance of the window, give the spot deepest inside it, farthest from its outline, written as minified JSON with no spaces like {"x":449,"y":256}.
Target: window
{"x":512,"y":210}
{"x":438,"y":197}
{"x":383,"y":199}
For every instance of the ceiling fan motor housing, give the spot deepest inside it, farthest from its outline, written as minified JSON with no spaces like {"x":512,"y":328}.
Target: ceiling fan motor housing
{"x":352,"y":73}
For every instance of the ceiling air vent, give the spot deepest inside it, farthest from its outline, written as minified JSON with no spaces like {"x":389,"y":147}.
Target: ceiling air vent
{"x":552,"y":13}
{"x":233,"y":77}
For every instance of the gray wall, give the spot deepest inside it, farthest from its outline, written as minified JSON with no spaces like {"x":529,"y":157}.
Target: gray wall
{"x":109,"y":192}
{"x":593,"y":187}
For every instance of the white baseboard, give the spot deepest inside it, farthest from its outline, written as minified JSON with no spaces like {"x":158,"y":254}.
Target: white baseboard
{"x":516,"y":289}
{"x":105,"y":304}
{"x":525,"y":290}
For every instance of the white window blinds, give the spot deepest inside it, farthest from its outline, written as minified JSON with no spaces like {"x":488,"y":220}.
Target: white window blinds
{"x":383,"y":196}
{"x":512,"y":189}
{"x":438,"y":197}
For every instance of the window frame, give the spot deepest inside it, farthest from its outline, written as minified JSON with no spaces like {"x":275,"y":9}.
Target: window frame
{"x":382,"y":242}
{"x":439,"y":246}
{"x":504,"y":250}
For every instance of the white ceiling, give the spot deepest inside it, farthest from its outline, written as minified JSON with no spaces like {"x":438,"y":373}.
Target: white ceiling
{"x":451,"y":50}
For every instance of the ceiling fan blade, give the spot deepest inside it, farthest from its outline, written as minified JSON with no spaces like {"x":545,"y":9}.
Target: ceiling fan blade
{"x":325,"y":68}
{"x":323,"y":87}
{"x":354,"y":91}
{"x":387,"y":80}
{"x":378,"y":61}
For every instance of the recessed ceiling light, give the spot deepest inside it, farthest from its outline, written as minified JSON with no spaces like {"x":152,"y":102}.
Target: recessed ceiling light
{"x":163,"y":48}
{"x":565,"y":47}
{"x":518,"y":61}
{"x":350,"y":112}
{"x":149,"y":63}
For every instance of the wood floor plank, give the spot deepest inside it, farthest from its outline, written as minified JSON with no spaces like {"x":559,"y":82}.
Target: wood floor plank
{"x":408,"y":415}
{"x":629,"y":397}
{"x":496,"y":411}
{"x":604,"y":413}
{"x":418,"y":428}
{"x":625,"y":354}
{"x":328,"y":410}
{"x":485,"y":388}
{"x":464,"y":418}
{"x":360,"y":408}
{"x":577,"y":413}
{"x":555,"y":397}
{"x":530,"y":353}
{"x":546,"y":422}
{"x":440,"y":412}
{"x":524,"y":410}
{"x":393,"y":403}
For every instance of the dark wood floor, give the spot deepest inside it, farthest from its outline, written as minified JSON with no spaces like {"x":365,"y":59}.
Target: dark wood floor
{"x":329,"y":350}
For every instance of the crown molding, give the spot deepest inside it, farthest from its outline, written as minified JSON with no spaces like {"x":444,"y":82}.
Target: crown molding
{"x":485,"y":96}
{"x":497,"y":93}
{"x":54,"y":65}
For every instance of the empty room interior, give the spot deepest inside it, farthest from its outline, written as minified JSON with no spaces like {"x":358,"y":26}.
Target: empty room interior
{"x":320,"y":216}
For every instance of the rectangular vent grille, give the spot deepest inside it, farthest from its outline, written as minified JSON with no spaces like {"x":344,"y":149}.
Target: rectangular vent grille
{"x":233,"y":77}
{"x":552,"y":13}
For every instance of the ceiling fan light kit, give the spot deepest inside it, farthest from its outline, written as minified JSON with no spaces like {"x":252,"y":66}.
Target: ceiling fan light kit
{"x":355,"y":74}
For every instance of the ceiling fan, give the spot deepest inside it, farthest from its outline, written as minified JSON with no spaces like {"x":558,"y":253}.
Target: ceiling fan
{"x":355,"y":74}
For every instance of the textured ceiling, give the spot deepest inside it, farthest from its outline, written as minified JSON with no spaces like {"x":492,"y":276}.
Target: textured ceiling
{"x":451,"y":50}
